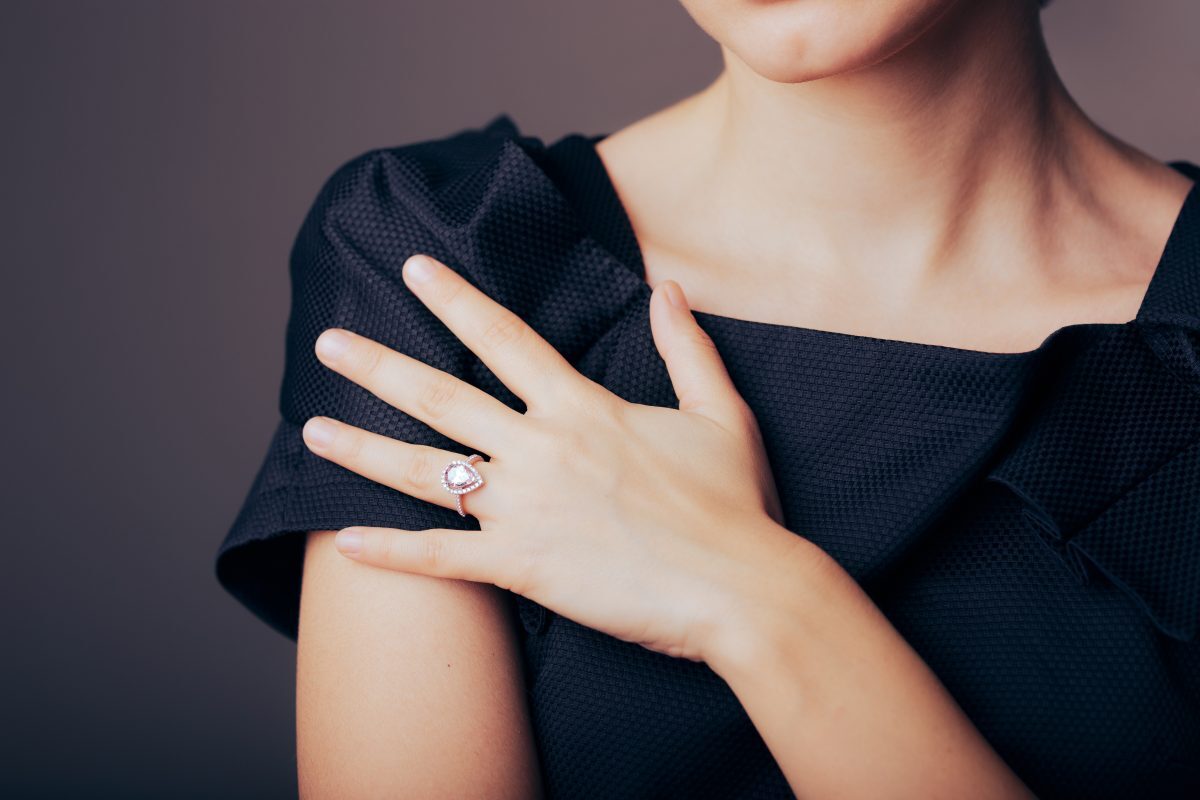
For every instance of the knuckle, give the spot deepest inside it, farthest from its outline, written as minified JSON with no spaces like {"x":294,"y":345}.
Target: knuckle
{"x":593,"y":401}
{"x":370,"y":360}
{"x":448,"y":291}
{"x":540,"y":443}
{"x":418,"y":472}
{"x":380,"y":548}
{"x":437,"y":395}
{"x":565,"y":446}
{"x":434,"y":553}
{"x":702,"y":341}
{"x":506,"y":330}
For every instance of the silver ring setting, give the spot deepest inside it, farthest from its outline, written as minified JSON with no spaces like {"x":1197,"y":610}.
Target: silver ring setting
{"x":460,"y":477}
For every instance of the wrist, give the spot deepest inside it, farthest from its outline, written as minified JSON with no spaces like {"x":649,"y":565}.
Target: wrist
{"x":770,"y":600}
{"x":827,"y":681}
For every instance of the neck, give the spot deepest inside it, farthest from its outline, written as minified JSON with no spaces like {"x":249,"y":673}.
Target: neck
{"x":968,"y":122}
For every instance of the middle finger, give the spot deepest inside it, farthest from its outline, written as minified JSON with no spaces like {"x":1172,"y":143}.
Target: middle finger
{"x":525,"y":362}
{"x":463,"y":412}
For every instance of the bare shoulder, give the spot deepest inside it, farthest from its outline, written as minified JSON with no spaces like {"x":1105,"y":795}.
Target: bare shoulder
{"x":407,"y":686}
{"x":1144,"y":199}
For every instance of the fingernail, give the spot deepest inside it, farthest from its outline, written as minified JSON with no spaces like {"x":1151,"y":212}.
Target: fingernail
{"x":420,"y":268}
{"x":318,"y":433}
{"x":675,"y":295}
{"x":348,"y":541}
{"x":332,"y":345}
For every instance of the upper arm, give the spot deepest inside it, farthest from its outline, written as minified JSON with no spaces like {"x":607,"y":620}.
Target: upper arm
{"x":407,"y":686}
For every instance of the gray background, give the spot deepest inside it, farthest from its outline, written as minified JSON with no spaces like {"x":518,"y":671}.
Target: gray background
{"x":158,"y":158}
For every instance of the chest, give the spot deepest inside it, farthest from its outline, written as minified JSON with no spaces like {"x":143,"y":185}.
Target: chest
{"x":879,"y":452}
{"x":1004,"y":310}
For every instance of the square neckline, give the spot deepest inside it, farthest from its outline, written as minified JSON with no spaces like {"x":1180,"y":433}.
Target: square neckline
{"x":633,"y":261}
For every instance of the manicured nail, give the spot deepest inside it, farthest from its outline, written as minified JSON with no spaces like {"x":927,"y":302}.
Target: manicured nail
{"x":332,"y":345}
{"x":675,"y":295}
{"x":420,"y":268}
{"x":318,"y":433}
{"x":348,"y":541}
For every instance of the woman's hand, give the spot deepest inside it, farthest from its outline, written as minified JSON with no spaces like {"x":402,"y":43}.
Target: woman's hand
{"x":651,"y":524}
{"x":661,"y":527}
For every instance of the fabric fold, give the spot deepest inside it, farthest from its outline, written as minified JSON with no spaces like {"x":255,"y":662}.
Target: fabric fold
{"x":517,"y":214}
{"x":476,"y":200}
{"x":1109,"y":467}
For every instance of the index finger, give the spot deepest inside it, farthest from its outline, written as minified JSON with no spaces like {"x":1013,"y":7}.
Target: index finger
{"x":525,"y":362}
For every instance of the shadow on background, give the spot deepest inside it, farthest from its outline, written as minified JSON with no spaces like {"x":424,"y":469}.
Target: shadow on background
{"x":158,"y":160}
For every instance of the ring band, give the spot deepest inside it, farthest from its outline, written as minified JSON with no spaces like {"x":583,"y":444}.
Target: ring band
{"x":460,"y":477}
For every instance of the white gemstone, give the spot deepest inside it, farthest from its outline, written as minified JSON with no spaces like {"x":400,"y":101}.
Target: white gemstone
{"x":458,"y":475}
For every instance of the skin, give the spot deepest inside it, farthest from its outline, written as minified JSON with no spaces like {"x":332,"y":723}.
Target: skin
{"x":617,"y":548}
{"x":949,"y":193}
{"x":997,"y":212}
{"x":389,"y":704}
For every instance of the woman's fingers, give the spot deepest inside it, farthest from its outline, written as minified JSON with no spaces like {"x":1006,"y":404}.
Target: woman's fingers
{"x":463,"y":412}
{"x":525,"y":362}
{"x":698,"y":373}
{"x":414,"y":469}
{"x":484,"y":556}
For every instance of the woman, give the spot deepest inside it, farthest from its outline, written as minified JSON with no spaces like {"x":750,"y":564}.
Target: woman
{"x":840,"y":425}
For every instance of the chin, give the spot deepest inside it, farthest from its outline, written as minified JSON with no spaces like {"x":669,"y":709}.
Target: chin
{"x":792,"y":41}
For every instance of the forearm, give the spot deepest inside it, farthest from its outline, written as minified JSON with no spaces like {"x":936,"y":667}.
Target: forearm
{"x":846,"y":706}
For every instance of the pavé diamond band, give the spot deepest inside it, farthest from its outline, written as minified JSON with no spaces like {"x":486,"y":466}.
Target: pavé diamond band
{"x":460,"y":477}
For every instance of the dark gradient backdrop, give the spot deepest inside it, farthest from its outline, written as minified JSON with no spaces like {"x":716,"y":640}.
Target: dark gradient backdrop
{"x":158,"y":158}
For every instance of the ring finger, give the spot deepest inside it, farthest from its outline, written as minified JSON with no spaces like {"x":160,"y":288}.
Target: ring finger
{"x":414,"y":469}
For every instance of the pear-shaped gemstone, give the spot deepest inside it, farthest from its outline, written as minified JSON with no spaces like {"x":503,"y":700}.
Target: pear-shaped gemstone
{"x":458,"y":475}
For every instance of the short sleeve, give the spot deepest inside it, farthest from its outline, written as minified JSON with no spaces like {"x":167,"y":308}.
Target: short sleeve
{"x":345,"y":272}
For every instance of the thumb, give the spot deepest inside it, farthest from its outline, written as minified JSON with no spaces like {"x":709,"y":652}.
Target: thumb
{"x":697,"y":372}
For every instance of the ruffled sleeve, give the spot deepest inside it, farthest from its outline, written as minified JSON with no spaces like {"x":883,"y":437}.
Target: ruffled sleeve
{"x":476,"y":200}
{"x":344,"y":267}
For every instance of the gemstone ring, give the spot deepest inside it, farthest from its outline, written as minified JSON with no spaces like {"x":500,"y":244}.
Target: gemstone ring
{"x":460,"y":477}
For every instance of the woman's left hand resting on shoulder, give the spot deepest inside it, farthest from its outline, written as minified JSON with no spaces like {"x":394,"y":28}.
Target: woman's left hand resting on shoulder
{"x":658,"y":526}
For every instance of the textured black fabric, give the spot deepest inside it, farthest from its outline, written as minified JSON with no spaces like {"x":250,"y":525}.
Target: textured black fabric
{"x":1029,"y":521}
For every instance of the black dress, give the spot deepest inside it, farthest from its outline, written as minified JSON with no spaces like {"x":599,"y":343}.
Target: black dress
{"x":1030,"y":522}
